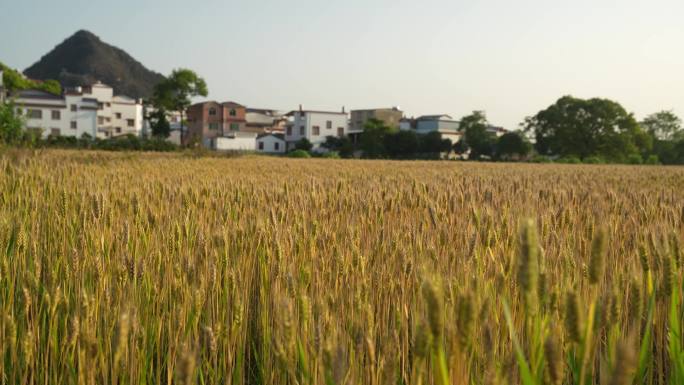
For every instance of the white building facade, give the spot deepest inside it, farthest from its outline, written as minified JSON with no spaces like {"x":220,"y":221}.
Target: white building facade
{"x":67,"y":115}
{"x":315,"y":126}
{"x":117,"y":115}
{"x":271,"y":144}
{"x":235,"y":141}
{"x":444,"y":124}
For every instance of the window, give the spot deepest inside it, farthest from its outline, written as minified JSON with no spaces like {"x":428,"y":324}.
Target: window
{"x":118,"y":115}
{"x":340,"y":131}
{"x":74,"y":108}
{"x":233,"y":112}
{"x":108,"y":104}
{"x":100,"y":106}
{"x":212,"y":111}
{"x":277,"y":146}
{"x":74,"y":125}
{"x":100,"y":120}
{"x":289,"y":130}
{"x":130,"y":122}
{"x":315,"y":130}
{"x":235,"y":127}
{"x":302,"y":130}
{"x":54,"y":132}
{"x":117,"y":130}
{"x":108,"y":120}
{"x":56,"y":115}
{"x":34,"y":114}
{"x":328,"y":124}
{"x":261,"y":146}
{"x":213,"y":126}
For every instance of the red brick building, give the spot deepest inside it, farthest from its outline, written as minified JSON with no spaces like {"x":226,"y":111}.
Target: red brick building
{"x":210,"y":120}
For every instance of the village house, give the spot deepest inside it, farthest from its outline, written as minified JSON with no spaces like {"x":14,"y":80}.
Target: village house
{"x":315,"y":126}
{"x":271,"y":143}
{"x":66,"y":115}
{"x":444,"y":124}
{"x":389,"y":116}
{"x":117,"y":115}
{"x":210,"y":120}
{"x":265,"y":121}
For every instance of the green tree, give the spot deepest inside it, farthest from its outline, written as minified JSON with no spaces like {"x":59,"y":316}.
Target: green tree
{"x":663,"y":125}
{"x":11,"y":124}
{"x":373,"y":139}
{"x":161,"y":128}
{"x":14,"y":81}
{"x":401,"y":144}
{"x":175,"y":92}
{"x":512,"y":145}
{"x":479,"y":141}
{"x":342,"y":145}
{"x":586,"y":128}
{"x":432,"y":144}
{"x":303,"y":144}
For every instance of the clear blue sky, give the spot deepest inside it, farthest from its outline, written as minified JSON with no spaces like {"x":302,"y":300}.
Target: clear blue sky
{"x":509,"y":58}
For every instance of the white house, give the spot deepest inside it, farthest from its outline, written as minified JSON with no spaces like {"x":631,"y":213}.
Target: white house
{"x":315,"y":126}
{"x":67,"y":115}
{"x":117,"y":115}
{"x":444,"y":124}
{"x":271,"y":143}
{"x":235,"y":141}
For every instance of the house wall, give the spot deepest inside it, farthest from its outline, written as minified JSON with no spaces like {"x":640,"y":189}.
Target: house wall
{"x":85,"y":116}
{"x":109,"y":106}
{"x":128,"y":109}
{"x":269,"y":144}
{"x":309,"y":120}
{"x":204,"y":127}
{"x":237,"y":143}
{"x":389,"y":116}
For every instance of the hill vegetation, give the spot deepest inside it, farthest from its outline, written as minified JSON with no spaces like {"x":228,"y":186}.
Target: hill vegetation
{"x":84,"y":59}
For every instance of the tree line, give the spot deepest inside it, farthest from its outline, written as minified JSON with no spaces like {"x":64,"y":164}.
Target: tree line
{"x":572,"y":130}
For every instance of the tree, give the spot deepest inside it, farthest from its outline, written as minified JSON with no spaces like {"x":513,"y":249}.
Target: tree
{"x":373,"y":138}
{"x":480,"y":142}
{"x":663,"y":125}
{"x":161,"y":128}
{"x":14,"y":81}
{"x":401,"y":144}
{"x":512,"y":145}
{"x":175,"y":92}
{"x":303,"y":144}
{"x":432,"y":144}
{"x":588,"y":128}
{"x":11,"y":124}
{"x":342,"y":145}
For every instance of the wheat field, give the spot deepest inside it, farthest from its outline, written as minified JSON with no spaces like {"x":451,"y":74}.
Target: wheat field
{"x":123,"y":268}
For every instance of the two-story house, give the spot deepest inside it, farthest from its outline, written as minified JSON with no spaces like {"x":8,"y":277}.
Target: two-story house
{"x":315,"y":126}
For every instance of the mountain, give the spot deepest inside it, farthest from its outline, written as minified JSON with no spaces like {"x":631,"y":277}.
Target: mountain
{"x":83,"y":59}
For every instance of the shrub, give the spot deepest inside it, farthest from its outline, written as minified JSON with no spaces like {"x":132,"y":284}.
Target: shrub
{"x":652,"y":160}
{"x":635,"y":159}
{"x":331,"y":155}
{"x":569,"y":160}
{"x":299,"y":154}
{"x":540,"y":159}
{"x":594,"y":160}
